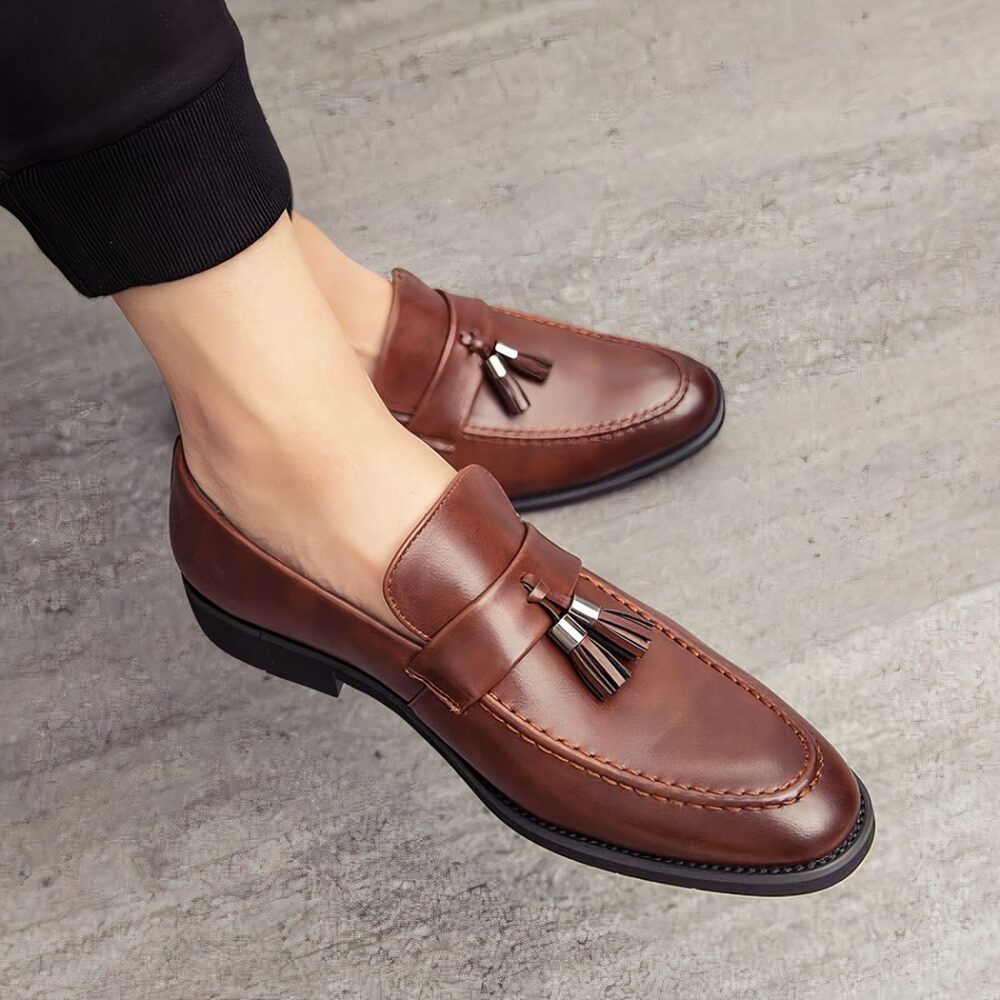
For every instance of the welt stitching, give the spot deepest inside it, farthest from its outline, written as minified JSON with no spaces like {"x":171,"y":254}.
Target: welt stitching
{"x":664,"y":406}
{"x":655,"y":779}
{"x":452,"y":704}
{"x":594,"y":335}
{"x":551,"y":438}
{"x":750,"y":807}
{"x":398,"y":560}
{"x":625,"y":770}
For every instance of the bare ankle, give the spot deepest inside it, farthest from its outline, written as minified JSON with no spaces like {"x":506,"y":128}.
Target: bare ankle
{"x":360,"y":298}
{"x":336,"y":513}
{"x":281,"y":427}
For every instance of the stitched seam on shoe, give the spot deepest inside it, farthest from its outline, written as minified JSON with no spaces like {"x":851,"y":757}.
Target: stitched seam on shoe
{"x":552,"y":439}
{"x":626,"y":770}
{"x":452,"y":704}
{"x":594,"y":335}
{"x":590,"y":430}
{"x":399,"y":559}
{"x":747,"y":807}
{"x":655,"y":779}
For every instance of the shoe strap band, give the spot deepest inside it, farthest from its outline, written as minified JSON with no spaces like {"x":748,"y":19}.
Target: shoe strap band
{"x":444,"y":406}
{"x":473,"y":653}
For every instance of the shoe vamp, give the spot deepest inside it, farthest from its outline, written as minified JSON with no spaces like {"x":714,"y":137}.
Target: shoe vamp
{"x":594,"y":381}
{"x":687,"y":721}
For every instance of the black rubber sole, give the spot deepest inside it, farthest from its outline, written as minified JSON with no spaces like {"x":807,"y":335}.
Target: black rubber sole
{"x":292,"y":661}
{"x":625,"y":477}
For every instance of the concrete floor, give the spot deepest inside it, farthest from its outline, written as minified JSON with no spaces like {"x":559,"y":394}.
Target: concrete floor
{"x":806,"y":196}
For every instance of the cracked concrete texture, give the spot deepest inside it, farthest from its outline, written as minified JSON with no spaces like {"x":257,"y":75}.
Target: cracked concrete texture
{"x":804,"y":195}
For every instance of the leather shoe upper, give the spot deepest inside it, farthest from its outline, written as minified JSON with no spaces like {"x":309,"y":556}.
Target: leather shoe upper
{"x":603,"y":404}
{"x":688,"y":757}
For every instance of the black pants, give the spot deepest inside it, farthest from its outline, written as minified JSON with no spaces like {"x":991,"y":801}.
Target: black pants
{"x":132,"y":146}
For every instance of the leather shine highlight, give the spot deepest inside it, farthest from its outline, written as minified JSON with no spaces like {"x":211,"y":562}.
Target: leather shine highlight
{"x":692,"y":758}
{"x":608,"y":403}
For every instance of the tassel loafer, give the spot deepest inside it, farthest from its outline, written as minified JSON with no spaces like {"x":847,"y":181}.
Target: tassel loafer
{"x":555,"y":412}
{"x":586,"y":721}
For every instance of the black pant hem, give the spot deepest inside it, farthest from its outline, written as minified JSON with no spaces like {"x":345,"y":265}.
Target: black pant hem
{"x":176,"y":197}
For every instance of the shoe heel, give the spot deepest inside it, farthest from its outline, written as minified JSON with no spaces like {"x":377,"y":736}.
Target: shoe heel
{"x":260,"y":649}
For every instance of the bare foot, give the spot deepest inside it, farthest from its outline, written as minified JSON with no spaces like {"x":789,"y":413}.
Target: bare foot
{"x":281,"y":425}
{"x":359,"y":298}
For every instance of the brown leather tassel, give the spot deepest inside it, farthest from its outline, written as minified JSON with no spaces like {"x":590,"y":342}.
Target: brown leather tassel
{"x":500,"y":361}
{"x":600,"y":671}
{"x":628,"y":635}
{"x":505,"y":385}
{"x":529,"y":365}
{"x":598,"y":641}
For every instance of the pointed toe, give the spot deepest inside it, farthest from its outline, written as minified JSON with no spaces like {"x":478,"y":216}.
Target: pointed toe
{"x":555,"y":412}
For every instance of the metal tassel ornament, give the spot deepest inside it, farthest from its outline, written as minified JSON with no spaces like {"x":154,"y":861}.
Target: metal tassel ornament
{"x":509,"y":390}
{"x":599,"y":642}
{"x":500,"y":362}
{"x":529,"y":365}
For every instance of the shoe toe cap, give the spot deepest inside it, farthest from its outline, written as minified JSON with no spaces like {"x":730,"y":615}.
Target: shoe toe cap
{"x":697,"y":406}
{"x":821,"y":821}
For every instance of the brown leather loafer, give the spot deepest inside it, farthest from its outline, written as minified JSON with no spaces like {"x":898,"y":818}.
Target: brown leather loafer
{"x":583,"y":719}
{"x":555,"y":412}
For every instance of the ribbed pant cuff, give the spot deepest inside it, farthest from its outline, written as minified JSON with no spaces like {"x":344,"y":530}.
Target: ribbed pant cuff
{"x":174,"y":198}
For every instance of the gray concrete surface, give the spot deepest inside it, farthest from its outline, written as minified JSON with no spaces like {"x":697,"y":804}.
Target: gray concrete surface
{"x":804,"y":194}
